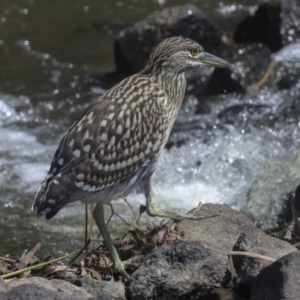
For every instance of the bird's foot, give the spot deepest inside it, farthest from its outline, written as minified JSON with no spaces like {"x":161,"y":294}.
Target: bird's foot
{"x":127,"y":264}
{"x":120,"y":266}
{"x":153,"y":211}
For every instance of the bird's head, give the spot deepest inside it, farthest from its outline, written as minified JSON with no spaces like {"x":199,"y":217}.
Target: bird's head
{"x":179,"y":54}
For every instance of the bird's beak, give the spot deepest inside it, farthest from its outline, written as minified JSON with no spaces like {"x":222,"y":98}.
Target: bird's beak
{"x":210,"y":60}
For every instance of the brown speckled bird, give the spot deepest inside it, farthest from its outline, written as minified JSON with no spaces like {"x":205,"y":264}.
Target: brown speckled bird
{"x":116,"y":142}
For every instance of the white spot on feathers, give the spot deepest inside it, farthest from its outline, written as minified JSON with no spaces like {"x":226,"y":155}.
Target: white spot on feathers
{"x":76,"y":153}
{"x":79,"y":184}
{"x":87,"y":148}
{"x":80,"y":176}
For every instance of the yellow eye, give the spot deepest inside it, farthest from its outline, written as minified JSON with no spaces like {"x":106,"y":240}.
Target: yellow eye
{"x":195,"y":52}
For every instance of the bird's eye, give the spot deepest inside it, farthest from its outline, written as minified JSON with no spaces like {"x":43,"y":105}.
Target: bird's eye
{"x":195,"y":52}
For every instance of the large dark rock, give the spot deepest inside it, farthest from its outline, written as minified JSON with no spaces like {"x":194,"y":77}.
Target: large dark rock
{"x":246,"y":267}
{"x":221,"y":82}
{"x":232,"y":230}
{"x":134,"y":44}
{"x":221,"y":233}
{"x":250,"y":62}
{"x":175,"y":271}
{"x":275,"y":24}
{"x":263,"y":26}
{"x":280,"y":280}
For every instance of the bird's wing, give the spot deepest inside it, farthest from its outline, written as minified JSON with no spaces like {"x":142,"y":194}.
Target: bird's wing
{"x":107,"y":143}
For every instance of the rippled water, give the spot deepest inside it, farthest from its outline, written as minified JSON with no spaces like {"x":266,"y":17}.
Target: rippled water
{"x":244,"y":152}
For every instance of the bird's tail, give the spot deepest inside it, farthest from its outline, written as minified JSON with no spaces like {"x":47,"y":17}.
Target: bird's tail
{"x":53,"y":194}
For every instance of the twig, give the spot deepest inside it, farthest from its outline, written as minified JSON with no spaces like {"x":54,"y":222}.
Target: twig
{"x":249,"y":254}
{"x":111,"y":215}
{"x":118,"y":215}
{"x":254,"y":255}
{"x":18,"y":272}
{"x":131,"y":210}
{"x":80,"y":251}
{"x":7,"y":259}
{"x":142,"y":210}
{"x":86,"y":224}
{"x":267,"y":74}
{"x":92,"y":220}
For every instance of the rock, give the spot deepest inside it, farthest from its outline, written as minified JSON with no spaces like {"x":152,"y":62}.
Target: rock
{"x":250,"y":61}
{"x":286,"y":72}
{"x":175,"y":271}
{"x":280,"y":280}
{"x":290,"y":15}
{"x":275,"y":24}
{"x":247,"y":268}
{"x":36,"y":292}
{"x":188,"y":21}
{"x":3,"y":286}
{"x":263,"y":27}
{"x":41,"y":288}
{"x":236,"y":114}
{"x":134,"y":44}
{"x":221,"y":82}
{"x":290,"y":232}
{"x":114,"y":290}
{"x":219,"y":234}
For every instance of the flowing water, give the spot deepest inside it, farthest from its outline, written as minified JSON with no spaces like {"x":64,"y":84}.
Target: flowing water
{"x":244,"y":152}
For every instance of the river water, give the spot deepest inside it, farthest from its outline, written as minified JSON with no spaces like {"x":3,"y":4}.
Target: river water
{"x":52,"y":55}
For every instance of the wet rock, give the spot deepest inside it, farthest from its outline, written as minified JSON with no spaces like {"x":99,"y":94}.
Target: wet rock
{"x":286,"y":216}
{"x":111,"y":290}
{"x":279,"y":280}
{"x":237,"y":114}
{"x":221,"y":82}
{"x":290,"y":16}
{"x":186,"y":20}
{"x":175,"y":271}
{"x":3,"y":286}
{"x":263,"y":27}
{"x":220,"y":234}
{"x":286,"y":71}
{"x":247,"y":268}
{"x":41,"y":288}
{"x":250,"y":61}
{"x":274,"y":23}
{"x":134,"y":44}
{"x":36,"y":292}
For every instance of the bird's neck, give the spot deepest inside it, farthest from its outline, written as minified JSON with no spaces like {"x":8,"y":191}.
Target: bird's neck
{"x":174,"y":86}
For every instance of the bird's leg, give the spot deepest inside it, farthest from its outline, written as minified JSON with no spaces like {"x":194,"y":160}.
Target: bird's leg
{"x":118,"y":265}
{"x":153,"y":211}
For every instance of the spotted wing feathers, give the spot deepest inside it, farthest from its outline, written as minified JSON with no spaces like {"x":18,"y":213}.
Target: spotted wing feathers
{"x":109,"y":142}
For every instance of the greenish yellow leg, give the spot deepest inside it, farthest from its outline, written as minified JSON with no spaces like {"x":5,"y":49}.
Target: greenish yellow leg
{"x":153,"y":211}
{"x":118,"y":265}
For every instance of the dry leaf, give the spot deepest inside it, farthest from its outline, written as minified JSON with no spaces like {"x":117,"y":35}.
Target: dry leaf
{"x":27,"y":257}
{"x":95,"y":274}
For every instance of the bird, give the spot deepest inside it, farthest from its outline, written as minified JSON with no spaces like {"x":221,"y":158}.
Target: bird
{"x":114,"y":145}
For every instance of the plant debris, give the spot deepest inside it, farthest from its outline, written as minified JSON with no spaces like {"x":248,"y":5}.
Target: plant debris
{"x":135,"y":245}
